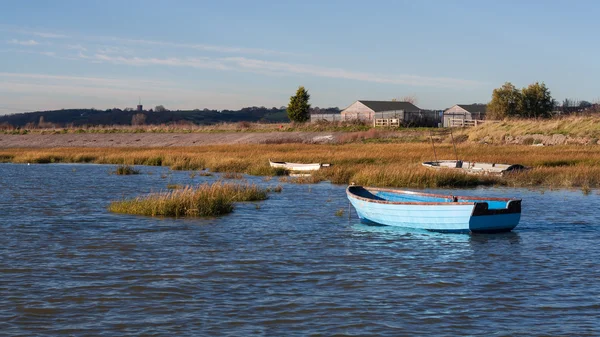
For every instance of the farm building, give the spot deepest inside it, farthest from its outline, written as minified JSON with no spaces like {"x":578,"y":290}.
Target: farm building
{"x":370,"y":110}
{"x":384,"y":113}
{"x":462,"y":114}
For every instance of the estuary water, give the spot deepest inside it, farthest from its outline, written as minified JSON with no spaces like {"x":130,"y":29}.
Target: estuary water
{"x":287,"y":266}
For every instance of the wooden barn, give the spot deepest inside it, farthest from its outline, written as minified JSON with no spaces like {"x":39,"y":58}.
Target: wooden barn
{"x":370,"y":110}
{"x":463,"y":114}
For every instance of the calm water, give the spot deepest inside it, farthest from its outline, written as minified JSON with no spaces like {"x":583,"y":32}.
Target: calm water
{"x":290,"y":267}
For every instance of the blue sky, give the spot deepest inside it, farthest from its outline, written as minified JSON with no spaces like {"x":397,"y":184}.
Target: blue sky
{"x":231,"y":54}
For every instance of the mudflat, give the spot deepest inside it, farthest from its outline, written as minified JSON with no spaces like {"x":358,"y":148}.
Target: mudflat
{"x":161,"y":139}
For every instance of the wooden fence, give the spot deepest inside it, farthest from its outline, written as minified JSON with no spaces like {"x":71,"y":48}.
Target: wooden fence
{"x":389,"y":122}
{"x":423,"y":118}
{"x":464,"y":123}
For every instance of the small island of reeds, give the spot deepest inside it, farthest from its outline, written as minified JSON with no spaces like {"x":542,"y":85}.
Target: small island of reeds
{"x":191,"y":201}
{"x":124,"y":170}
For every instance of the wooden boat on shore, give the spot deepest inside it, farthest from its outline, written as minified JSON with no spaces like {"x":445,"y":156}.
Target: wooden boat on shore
{"x":434,"y":212}
{"x":296,"y":166}
{"x":474,"y":167}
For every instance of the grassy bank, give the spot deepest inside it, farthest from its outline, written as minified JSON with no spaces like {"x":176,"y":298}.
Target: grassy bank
{"x":573,"y":127}
{"x":203,"y":200}
{"x":375,"y":164}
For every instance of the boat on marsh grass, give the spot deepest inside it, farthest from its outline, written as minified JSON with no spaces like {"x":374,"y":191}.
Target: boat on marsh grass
{"x":469,"y":167}
{"x":434,"y":212}
{"x":474,"y":167}
{"x":297,"y":166}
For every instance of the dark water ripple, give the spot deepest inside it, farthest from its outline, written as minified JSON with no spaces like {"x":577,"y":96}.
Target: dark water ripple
{"x":289,"y":267}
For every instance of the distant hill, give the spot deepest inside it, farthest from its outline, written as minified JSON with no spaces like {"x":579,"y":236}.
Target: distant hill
{"x":82,"y":117}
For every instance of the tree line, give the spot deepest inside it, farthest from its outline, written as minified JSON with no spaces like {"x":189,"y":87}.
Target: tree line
{"x":533,"y":101}
{"x":156,"y":116}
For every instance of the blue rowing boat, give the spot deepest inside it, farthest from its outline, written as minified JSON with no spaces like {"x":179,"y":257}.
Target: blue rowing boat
{"x":434,"y":212}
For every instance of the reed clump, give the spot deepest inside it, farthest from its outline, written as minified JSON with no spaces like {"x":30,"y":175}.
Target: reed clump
{"x":124,"y":170}
{"x":276,"y":189}
{"x":203,"y":200}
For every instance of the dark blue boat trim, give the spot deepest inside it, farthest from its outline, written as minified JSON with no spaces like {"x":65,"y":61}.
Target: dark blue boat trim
{"x":481,"y":208}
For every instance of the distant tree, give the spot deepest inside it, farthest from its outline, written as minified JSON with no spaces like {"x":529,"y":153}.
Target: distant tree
{"x":412,"y":99}
{"x":138,"y":119}
{"x":506,"y":102}
{"x":299,"y":110}
{"x":536,"y":101}
{"x":160,"y":108}
{"x":585,"y":104}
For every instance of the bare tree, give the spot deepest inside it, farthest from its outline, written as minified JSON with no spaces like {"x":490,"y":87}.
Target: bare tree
{"x":412,"y":99}
{"x":138,"y":119}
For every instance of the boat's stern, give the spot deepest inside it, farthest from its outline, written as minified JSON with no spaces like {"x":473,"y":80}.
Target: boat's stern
{"x":495,"y":220}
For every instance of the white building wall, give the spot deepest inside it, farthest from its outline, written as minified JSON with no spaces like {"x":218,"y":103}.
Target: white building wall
{"x":357,"y":110}
{"x":455,"y":112}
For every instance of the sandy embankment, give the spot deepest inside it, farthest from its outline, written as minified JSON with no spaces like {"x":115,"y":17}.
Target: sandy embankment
{"x":160,"y":139}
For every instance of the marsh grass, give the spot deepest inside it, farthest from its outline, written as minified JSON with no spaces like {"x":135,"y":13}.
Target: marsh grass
{"x":124,"y":170}
{"x":203,"y":200}
{"x":276,"y":189}
{"x":381,"y":164}
{"x":232,"y":175}
{"x":174,"y":186}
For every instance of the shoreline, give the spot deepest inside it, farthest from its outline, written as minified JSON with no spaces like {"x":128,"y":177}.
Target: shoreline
{"x":363,"y":163}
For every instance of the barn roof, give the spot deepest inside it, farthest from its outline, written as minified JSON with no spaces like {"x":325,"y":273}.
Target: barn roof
{"x":474,"y":107}
{"x":378,"y":106}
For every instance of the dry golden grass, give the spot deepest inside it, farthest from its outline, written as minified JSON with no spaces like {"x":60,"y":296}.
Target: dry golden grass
{"x":393,"y":165}
{"x":573,"y":126}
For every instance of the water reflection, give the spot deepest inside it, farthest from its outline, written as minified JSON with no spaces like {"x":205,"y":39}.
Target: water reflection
{"x":512,"y":238}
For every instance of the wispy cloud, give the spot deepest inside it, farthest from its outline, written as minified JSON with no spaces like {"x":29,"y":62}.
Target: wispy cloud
{"x":198,"y":62}
{"x":83,"y":80}
{"x":92,"y":39}
{"x":30,"y":32}
{"x":45,"y":91}
{"x":196,"y":46}
{"x":24,"y":42}
{"x":49,"y":35}
{"x":76,"y":47}
{"x":283,"y":68}
{"x":115,"y":50}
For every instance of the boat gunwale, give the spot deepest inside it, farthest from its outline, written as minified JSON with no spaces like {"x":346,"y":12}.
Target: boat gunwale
{"x":498,"y":169}
{"x":290,"y":163}
{"x":433,"y":203}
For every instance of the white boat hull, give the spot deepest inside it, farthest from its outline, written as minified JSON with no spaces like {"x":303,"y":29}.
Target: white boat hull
{"x":295,"y":166}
